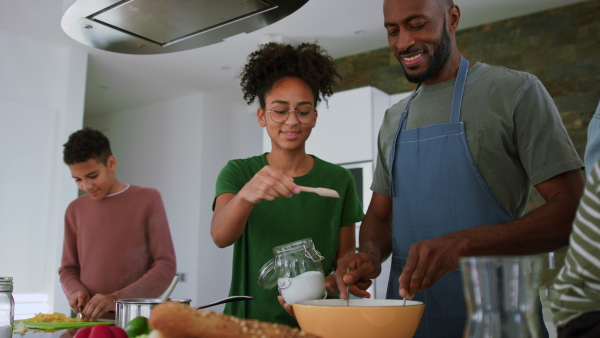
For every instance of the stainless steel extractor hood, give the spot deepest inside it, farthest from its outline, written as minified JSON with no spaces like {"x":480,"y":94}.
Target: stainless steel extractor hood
{"x":165,"y":26}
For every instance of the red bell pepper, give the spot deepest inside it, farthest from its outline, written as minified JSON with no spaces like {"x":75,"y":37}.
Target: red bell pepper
{"x":101,"y":331}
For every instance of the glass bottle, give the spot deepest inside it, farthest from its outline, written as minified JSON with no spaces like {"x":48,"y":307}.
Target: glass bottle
{"x":7,"y":303}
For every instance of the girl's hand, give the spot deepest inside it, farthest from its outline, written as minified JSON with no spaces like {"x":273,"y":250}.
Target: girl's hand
{"x":268,"y":184}
{"x":286,"y":306}
{"x":331,"y":286}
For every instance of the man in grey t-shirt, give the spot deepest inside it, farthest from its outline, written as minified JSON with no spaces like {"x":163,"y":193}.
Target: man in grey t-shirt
{"x":456,"y":162}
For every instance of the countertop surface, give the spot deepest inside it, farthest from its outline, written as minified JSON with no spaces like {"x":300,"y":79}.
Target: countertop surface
{"x":34,"y":333}
{"x":41,"y":334}
{"x":64,"y":333}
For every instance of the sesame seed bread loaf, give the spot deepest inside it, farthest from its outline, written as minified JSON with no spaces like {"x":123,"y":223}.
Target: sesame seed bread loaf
{"x":173,"y":319}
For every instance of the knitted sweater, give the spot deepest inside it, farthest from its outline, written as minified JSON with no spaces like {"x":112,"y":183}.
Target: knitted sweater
{"x":119,"y":246}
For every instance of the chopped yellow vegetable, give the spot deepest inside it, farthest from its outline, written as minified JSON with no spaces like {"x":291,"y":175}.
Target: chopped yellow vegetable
{"x":55,"y":317}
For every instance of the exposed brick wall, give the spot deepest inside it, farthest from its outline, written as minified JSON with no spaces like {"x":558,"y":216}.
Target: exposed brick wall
{"x":560,"y":46}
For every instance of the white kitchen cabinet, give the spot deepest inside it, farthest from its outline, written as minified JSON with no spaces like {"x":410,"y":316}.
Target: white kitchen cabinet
{"x":347,"y":126}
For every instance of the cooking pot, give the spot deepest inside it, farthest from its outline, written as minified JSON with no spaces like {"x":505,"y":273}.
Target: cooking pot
{"x":129,"y":308}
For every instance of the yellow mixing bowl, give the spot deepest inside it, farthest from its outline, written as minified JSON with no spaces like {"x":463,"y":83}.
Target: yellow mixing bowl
{"x":331,"y":318}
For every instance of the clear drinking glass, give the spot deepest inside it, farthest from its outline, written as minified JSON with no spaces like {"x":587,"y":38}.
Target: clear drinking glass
{"x":501,"y":295}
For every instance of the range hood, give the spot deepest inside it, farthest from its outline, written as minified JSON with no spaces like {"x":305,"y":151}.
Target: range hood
{"x":165,"y":26}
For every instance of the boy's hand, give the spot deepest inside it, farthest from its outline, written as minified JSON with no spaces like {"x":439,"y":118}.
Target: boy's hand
{"x":268,"y":184}
{"x":78,"y":300}
{"x":97,"y":306}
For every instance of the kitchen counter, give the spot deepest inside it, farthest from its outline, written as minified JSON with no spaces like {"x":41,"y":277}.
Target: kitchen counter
{"x":65,"y":333}
{"x":41,"y":334}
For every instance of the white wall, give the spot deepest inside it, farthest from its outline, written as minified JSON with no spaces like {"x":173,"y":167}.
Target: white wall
{"x":158,"y":146}
{"x":179,"y":147}
{"x":343,"y":132}
{"x":230,"y":131}
{"x":41,"y":102}
{"x":347,"y":126}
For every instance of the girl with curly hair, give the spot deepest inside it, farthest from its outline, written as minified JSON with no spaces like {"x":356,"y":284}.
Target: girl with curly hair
{"x":258,"y":204}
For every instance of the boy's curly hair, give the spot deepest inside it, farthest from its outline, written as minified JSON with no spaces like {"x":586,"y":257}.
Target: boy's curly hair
{"x":274,"y":61}
{"x":86,"y":144}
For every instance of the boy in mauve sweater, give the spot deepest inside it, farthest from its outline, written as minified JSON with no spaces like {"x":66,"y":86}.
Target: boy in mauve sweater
{"x":117,"y":240}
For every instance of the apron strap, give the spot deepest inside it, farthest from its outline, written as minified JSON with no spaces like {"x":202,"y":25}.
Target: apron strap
{"x":402,"y":123}
{"x":459,"y":89}
{"x":401,"y":126}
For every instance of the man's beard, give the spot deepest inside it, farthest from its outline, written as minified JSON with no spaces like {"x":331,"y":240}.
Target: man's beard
{"x":441,"y":53}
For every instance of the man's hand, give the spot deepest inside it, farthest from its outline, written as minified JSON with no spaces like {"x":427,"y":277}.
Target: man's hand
{"x":97,"y":306}
{"x":78,"y":300}
{"x":544,"y":229}
{"x":427,"y":262}
{"x":363,"y":267}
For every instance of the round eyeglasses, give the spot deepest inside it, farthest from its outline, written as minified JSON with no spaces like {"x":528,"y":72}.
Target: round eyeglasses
{"x":304,"y":115}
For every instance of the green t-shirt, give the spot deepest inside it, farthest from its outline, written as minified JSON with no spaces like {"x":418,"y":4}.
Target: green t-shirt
{"x":282,"y":221}
{"x":515,"y":134}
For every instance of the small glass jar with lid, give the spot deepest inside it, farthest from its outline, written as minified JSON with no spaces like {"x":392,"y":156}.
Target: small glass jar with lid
{"x":296,"y":270}
{"x":7,"y":302}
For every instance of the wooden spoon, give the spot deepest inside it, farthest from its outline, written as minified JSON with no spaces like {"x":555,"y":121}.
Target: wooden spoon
{"x":321,"y":191}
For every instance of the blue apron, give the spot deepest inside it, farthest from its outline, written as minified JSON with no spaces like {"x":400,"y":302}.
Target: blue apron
{"x":437,"y":189}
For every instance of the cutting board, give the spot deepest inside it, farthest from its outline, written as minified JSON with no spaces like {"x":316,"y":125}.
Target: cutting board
{"x":59,"y":326}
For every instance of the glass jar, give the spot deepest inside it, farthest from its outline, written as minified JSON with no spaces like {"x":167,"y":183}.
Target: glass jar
{"x":296,"y":269}
{"x":502,"y":296}
{"x":7,"y":303}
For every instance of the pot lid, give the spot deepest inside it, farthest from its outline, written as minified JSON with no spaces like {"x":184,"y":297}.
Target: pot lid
{"x":165,"y":26}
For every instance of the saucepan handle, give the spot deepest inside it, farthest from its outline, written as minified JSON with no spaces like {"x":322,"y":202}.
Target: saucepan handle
{"x":225,"y":300}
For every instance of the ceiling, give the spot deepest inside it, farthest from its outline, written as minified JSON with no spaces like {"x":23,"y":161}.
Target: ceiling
{"x":119,"y":81}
